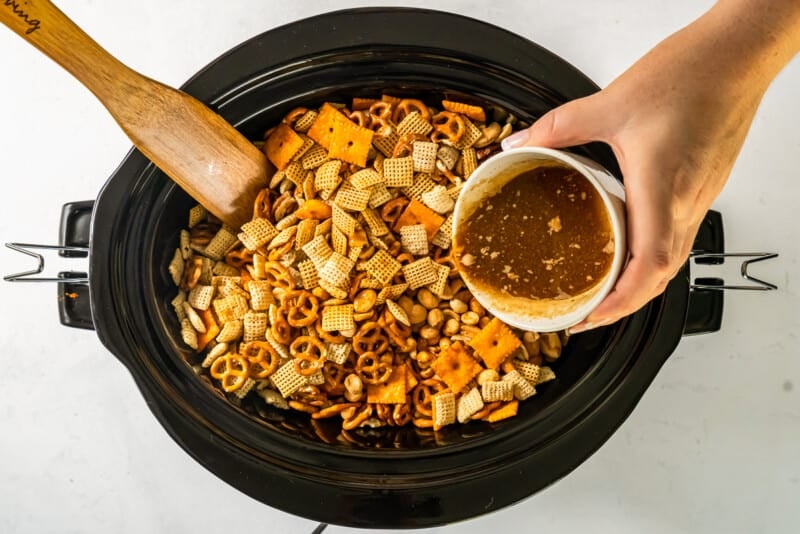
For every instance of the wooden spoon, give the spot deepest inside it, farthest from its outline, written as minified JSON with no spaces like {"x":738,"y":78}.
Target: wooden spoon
{"x":194,"y":146}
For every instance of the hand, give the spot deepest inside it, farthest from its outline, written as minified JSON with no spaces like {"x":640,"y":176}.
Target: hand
{"x":676,"y":121}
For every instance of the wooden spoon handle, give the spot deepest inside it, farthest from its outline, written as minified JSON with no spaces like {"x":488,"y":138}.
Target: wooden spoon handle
{"x":194,"y":146}
{"x":44,"y":26}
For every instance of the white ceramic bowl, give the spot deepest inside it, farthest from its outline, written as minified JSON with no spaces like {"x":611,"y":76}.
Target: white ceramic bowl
{"x":542,"y":315}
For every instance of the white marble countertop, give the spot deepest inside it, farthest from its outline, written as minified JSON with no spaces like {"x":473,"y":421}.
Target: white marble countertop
{"x":712,"y":447}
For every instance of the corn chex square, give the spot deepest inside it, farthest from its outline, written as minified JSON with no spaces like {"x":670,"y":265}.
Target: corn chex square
{"x":420,"y":273}
{"x":327,"y":176}
{"x":366,"y":178}
{"x":318,"y":250}
{"x":305,"y":232}
{"x":379,"y":196}
{"x":223,"y":269}
{"x":308,"y":143}
{"x":438,"y":200}
{"x":177,"y":265}
{"x":382,"y":266}
{"x":324,"y":227}
{"x":338,"y":318}
{"x":386,"y":141}
{"x":522,"y":388}
{"x":377,"y":164}
{"x":287,"y":380}
{"x":352,"y":199}
{"x":439,"y":287}
{"x":546,"y":374}
{"x":376,"y":225}
{"x":200,"y":297}
{"x":339,"y":241}
{"x":260,"y":294}
{"x":257,"y":232}
{"x":254,"y":325}
{"x":231,"y":307}
{"x":501,"y":390}
{"x":414,"y":239}
{"x":316,"y":156}
{"x":529,"y":371}
{"x":469,"y":161}
{"x":470,"y":137}
{"x":397,"y":312}
{"x":389,"y":293}
{"x":444,"y":409}
{"x":455,"y":191}
{"x":424,"y":155}
{"x":413,"y":123}
{"x":494,"y":343}
{"x":343,"y":220}
{"x":422,"y":184}
{"x":308,"y":274}
{"x":197,"y":215}
{"x":398,"y":172}
{"x":295,"y":173}
{"x":337,"y":270}
{"x":338,"y":353}
{"x":305,"y":121}
{"x":334,"y":291}
{"x":221,"y":243}
{"x":444,"y":237}
{"x":468,"y":405}
{"x":231,"y":331}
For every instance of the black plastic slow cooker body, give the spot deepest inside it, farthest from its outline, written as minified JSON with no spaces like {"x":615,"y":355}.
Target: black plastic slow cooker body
{"x":407,"y":478}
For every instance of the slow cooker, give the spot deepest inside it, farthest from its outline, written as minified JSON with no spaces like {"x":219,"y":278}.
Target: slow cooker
{"x":388,"y":477}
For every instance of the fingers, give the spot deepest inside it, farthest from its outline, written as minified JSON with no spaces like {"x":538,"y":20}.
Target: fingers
{"x":654,"y":242}
{"x":573,"y":123}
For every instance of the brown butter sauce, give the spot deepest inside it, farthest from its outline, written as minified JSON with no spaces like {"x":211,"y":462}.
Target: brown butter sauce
{"x":545,"y":234}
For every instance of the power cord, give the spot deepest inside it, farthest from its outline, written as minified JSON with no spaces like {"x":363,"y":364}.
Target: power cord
{"x":320,"y":528}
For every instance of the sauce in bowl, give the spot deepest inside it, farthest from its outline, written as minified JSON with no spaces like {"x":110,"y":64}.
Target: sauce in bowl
{"x":545,"y":234}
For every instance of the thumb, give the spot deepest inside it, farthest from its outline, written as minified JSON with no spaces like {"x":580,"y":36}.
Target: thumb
{"x":573,"y":123}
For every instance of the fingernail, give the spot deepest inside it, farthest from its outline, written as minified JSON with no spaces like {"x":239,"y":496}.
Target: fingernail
{"x":578,"y":328}
{"x":515,"y":140}
{"x":583,"y":327}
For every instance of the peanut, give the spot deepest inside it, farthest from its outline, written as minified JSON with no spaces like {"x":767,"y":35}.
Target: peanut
{"x":458,"y":306}
{"x":354,"y":388}
{"x":429,"y":333}
{"x":550,"y":345}
{"x":418,"y":314}
{"x":364,"y":301}
{"x":488,"y":375}
{"x":451,"y":327}
{"x":476,"y":307}
{"x":426,"y":297}
{"x":470,"y":318}
{"x":406,"y":303}
{"x":435,"y":318}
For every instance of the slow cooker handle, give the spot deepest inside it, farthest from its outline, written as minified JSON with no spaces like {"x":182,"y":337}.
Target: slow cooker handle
{"x":74,"y":306}
{"x":706,"y":294}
